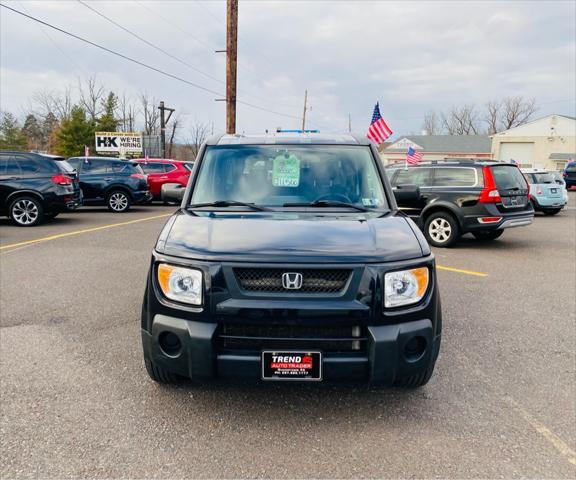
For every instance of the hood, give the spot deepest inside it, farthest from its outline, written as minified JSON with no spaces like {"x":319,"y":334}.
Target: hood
{"x":291,"y":237}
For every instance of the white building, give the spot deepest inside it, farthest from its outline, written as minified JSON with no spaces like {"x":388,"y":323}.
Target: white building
{"x":548,"y":142}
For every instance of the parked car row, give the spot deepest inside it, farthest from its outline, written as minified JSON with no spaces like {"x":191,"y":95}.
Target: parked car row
{"x":453,"y":197}
{"x":34,"y":186}
{"x":481,"y":198}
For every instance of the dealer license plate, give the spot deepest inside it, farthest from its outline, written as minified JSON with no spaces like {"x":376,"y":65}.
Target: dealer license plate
{"x":291,"y":365}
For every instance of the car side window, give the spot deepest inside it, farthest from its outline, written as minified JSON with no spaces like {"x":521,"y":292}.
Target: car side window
{"x":454,"y":177}
{"x":11,"y":168}
{"x":94,"y":166}
{"x":169,"y":167}
{"x":28,"y":165}
{"x":421,"y":177}
{"x":152,"y":167}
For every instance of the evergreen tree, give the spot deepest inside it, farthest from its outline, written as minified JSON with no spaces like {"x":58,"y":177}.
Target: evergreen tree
{"x":75,"y":133}
{"x":33,"y":132}
{"x":107,"y":122}
{"x":11,"y":136}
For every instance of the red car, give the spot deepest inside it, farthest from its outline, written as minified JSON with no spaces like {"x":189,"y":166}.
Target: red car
{"x":164,"y":170}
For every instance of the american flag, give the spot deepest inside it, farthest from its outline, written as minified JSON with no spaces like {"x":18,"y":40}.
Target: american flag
{"x":86,"y":151}
{"x":413,"y":157}
{"x":378,"y":130}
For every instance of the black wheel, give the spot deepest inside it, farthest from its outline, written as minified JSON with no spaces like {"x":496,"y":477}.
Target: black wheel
{"x":26,"y":211}
{"x":552,"y":212}
{"x":118,"y":201}
{"x":488,"y":234}
{"x":441,"y":229}
{"x":159,"y":374}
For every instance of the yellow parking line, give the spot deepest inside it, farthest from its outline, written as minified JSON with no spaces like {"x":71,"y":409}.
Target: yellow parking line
{"x":465,"y":272}
{"x":79,"y":232}
{"x":550,"y":436}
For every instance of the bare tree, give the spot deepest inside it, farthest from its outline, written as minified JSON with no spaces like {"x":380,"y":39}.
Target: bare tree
{"x":431,"y":123}
{"x":47,"y":102}
{"x":462,"y":120}
{"x":492,"y":116}
{"x":128,"y":113}
{"x":198,"y":135}
{"x":174,"y":126}
{"x":516,"y":111}
{"x":151,"y":114}
{"x":91,"y":96}
{"x":508,"y":113}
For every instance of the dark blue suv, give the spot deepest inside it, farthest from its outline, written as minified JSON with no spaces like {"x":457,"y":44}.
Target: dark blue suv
{"x":569,"y":175}
{"x":112,"y":182}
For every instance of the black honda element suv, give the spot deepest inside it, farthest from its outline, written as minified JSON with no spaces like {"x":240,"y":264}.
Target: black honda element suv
{"x":290,"y":261}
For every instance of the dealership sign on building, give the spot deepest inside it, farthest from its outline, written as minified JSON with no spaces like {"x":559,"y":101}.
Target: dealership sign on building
{"x":118,"y":142}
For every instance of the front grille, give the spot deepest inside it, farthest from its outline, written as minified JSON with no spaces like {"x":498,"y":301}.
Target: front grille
{"x":292,"y":337}
{"x":269,"y":280}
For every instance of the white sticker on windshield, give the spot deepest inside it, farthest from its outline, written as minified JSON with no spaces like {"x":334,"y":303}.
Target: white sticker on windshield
{"x":370,"y":202}
{"x":286,"y":171}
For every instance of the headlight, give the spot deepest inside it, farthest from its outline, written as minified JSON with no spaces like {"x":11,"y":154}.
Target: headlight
{"x":180,"y":284}
{"x":405,"y":287}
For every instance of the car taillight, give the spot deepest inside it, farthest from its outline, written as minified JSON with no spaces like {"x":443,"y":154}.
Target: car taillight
{"x":538,"y":191}
{"x":490,"y":193}
{"x":61,"y":179}
{"x":489,"y":219}
{"x":564,"y":174}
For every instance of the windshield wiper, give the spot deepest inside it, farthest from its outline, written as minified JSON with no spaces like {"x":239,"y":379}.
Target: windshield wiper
{"x":327,"y":203}
{"x":228,"y":203}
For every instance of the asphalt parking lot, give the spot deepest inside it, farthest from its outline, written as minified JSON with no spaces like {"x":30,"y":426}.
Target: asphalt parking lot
{"x":77,"y":402}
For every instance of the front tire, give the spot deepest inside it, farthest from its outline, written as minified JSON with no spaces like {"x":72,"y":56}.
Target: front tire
{"x":441,"y":229}
{"x":161,"y":375}
{"x":486,"y":235}
{"x":26,"y":211}
{"x":118,"y":201}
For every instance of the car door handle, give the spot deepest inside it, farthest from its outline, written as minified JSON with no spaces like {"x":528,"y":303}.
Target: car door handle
{"x":164,"y":178}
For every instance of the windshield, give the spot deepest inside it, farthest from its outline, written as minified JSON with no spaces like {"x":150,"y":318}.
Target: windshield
{"x":64,"y":165}
{"x":542,"y":178}
{"x":508,"y":177}
{"x":273,"y":175}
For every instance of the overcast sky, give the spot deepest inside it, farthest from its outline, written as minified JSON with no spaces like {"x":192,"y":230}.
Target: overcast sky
{"x":410,"y":56}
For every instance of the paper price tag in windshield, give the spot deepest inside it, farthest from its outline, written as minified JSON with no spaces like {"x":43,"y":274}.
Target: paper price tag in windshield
{"x":286,"y":171}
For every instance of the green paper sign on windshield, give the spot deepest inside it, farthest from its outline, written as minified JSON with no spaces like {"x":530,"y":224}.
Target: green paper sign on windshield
{"x":286,"y":171}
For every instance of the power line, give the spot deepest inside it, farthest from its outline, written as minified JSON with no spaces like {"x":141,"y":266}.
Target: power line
{"x":156,"y":47}
{"x":175,"y":25}
{"x":64,"y":54}
{"x":241,"y":65}
{"x":142,"y":64}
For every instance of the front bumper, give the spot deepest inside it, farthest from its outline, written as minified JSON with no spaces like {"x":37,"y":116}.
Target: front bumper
{"x":199,"y":357}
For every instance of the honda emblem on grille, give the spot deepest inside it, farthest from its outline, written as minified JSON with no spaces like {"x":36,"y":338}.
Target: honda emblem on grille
{"x":292,"y":280}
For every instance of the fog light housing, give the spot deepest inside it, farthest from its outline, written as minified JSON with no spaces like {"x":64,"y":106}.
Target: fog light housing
{"x":169,"y":343}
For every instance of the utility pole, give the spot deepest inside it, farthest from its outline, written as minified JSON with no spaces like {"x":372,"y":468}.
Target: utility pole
{"x":231,"y":63}
{"x":305,"y":108}
{"x":163,"y":122}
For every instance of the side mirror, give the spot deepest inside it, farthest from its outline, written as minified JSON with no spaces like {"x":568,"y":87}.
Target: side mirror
{"x":407,"y":194}
{"x":172,"y":192}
